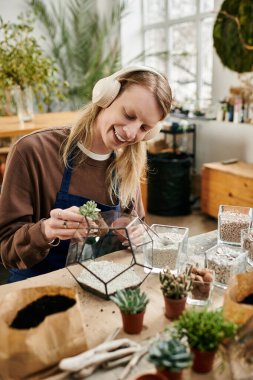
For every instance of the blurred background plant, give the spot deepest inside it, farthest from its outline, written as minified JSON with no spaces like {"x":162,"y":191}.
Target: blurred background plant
{"x":24,"y":64}
{"x":84,"y":44}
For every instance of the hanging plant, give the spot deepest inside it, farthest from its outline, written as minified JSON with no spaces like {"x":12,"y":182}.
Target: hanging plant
{"x":233,"y":35}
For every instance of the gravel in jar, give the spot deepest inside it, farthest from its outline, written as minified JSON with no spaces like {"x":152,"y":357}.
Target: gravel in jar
{"x":226,"y":262}
{"x":106,"y":270}
{"x":231,"y":224}
{"x":164,"y":255}
{"x":248,"y":245}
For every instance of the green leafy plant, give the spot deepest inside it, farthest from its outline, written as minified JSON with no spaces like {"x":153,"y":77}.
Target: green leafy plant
{"x":130,"y":301}
{"x":233,"y":35}
{"x":90,"y":210}
{"x":175,"y":286}
{"x":23,"y":63}
{"x":205,"y":330}
{"x":172,"y":355}
{"x":87,"y":46}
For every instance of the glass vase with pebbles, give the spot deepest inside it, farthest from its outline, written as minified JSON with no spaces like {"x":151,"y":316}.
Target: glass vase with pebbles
{"x":168,"y":248}
{"x":231,"y":221}
{"x":247,"y":244}
{"x":202,"y":286}
{"x":109,"y":259}
{"x":226,"y":261}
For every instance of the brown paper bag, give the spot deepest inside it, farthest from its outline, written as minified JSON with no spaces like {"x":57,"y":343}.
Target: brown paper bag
{"x":26,"y":351}
{"x":240,"y":287}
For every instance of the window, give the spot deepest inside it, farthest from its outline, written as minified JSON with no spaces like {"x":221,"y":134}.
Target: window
{"x":183,"y":29}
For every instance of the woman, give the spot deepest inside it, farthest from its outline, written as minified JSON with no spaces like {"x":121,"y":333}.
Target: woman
{"x":51,"y":173}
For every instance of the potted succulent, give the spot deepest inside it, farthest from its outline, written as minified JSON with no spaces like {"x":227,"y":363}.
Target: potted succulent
{"x":170,"y":357}
{"x":205,"y":330}
{"x":132,"y":304}
{"x":175,"y":289}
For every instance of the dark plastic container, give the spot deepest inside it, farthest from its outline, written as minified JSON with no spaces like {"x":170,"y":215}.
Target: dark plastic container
{"x":169,"y":184}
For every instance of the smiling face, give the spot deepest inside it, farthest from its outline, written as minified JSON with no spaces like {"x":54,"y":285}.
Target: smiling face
{"x":127,"y":120}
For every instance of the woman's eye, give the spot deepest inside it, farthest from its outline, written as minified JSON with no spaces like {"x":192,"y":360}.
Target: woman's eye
{"x":144,"y":128}
{"x":129,"y":117}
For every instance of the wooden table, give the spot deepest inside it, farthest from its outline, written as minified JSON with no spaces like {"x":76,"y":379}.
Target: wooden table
{"x":101,"y":317}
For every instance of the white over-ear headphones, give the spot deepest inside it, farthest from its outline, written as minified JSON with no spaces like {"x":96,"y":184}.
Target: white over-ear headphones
{"x":106,"y":90}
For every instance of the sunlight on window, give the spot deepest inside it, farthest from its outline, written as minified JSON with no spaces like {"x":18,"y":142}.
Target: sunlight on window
{"x":179,"y":8}
{"x":183,"y":28}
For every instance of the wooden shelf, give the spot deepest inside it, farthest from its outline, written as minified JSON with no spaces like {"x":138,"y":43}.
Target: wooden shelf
{"x":10,"y":126}
{"x":4,"y":150}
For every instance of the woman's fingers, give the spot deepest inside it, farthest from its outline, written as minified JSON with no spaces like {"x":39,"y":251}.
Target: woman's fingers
{"x":68,"y":223}
{"x":69,"y":214}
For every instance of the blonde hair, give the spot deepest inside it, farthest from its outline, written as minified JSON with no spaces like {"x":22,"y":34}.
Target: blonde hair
{"x":126,"y":170}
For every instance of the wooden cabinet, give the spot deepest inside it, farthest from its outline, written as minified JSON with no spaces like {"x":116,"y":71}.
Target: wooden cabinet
{"x":226,"y":184}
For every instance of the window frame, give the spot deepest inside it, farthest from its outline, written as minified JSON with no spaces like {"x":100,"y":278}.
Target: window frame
{"x":196,"y":18}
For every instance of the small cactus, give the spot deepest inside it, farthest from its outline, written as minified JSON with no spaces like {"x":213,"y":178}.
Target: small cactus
{"x":130,"y":301}
{"x":175,"y":287}
{"x":90,"y":210}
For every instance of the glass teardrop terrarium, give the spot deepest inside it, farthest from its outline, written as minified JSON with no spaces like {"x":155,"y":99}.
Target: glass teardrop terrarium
{"x":111,"y":256}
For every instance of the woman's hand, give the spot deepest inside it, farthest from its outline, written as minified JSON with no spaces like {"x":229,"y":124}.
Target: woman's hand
{"x":135,"y":232}
{"x":66,"y":224}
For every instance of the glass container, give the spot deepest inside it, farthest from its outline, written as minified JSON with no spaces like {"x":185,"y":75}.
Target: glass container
{"x":24,"y":102}
{"x":168,"y":248}
{"x":202,"y":288}
{"x":247,"y":244}
{"x":226,"y":261}
{"x":231,"y":220}
{"x":110,"y":257}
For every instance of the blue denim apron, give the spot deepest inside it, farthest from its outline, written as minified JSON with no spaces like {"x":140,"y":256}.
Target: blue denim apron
{"x":56,"y":257}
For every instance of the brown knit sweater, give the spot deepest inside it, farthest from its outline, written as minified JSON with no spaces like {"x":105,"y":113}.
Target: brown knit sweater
{"x":32,"y":180}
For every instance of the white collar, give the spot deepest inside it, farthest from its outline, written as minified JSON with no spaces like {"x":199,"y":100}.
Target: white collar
{"x":94,"y":156}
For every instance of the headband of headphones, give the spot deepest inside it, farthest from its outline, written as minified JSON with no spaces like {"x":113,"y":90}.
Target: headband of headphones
{"x":107,"y":89}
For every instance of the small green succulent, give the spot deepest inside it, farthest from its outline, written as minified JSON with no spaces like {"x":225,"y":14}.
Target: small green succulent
{"x":175,"y":286}
{"x":90,"y":210}
{"x":130,"y":301}
{"x":172,"y":354}
{"x":205,"y":329}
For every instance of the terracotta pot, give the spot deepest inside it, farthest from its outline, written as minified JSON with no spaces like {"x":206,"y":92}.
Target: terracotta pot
{"x":203,"y":361}
{"x":132,"y":323}
{"x":151,"y":376}
{"x":169,"y":375}
{"x":174,"y":308}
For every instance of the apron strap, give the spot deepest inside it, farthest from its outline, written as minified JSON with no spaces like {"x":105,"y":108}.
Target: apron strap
{"x":66,"y":178}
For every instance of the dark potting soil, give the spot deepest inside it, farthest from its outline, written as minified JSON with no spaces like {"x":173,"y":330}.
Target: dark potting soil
{"x":35,"y":313}
{"x":248,"y":300}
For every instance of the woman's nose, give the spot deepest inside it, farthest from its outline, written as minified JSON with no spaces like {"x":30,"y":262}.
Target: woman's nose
{"x":131,"y":130}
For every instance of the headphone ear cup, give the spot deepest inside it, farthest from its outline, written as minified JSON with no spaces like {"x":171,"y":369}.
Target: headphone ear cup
{"x":153,"y":132}
{"x":105,"y":91}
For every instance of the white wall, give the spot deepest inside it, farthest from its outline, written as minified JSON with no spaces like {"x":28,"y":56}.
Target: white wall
{"x":9,"y":10}
{"x":131,"y":40}
{"x":218,"y":141}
